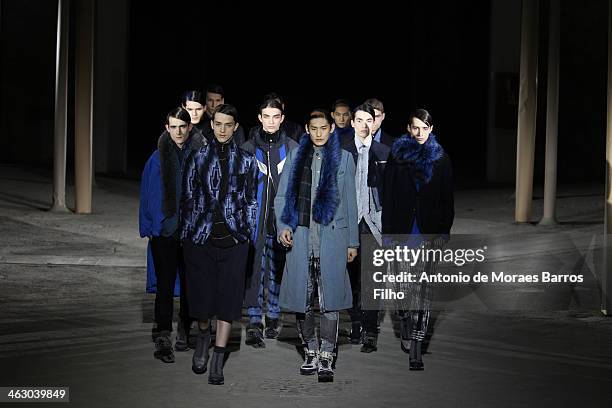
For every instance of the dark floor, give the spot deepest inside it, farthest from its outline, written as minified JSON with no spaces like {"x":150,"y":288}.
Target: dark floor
{"x":73,"y":313}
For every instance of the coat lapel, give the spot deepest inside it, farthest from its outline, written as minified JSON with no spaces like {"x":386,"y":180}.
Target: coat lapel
{"x":328,"y":196}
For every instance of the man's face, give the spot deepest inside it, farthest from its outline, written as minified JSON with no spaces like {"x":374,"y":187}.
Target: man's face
{"x":362,"y":123}
{"x":271,"y":119}
{"x":419,"y":130}
{"x":319,"y":130}
{"x":196,"y":110}
{"x":342,"y":116}
{"x":213,"y":100}
{"x":179,"y":131}
{"x":224,"y":127}
{"x":378,"y":120}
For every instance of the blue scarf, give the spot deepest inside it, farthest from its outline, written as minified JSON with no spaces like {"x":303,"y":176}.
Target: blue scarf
{"x":420,"y":157}
{"x":327,"y":196}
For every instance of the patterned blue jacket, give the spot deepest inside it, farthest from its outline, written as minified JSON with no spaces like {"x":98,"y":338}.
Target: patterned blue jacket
{"x":201,"y":185}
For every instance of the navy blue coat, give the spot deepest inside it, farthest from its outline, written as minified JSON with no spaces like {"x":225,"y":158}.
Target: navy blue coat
{"x":150,"y":215}
{"x":431,"y":206}
{"x":156,"y":201}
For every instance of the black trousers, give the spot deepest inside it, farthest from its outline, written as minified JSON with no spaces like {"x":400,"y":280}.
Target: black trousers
{"x":368,"y":318}
{"x":168,"y":261}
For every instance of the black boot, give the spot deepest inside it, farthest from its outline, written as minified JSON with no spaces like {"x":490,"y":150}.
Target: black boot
{"x":369,"y":342}
{"x":415,"y":359}
{"x":182,"y":334}
{"x":215,"y":376}
{"x":199,"y":361}
{"x":273,"y":328}
{"x":163,"y":347}
{"x":254,"y":335}
{"x":192,"y":335}
{"x":355,"y":337}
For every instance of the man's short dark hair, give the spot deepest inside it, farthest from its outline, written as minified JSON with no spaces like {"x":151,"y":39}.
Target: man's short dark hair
{"x":340,"y":102}
{"x":192,"y":96}
{"x":376,"y":103}
{"x":215,"y":88}
{"x":228,"y":110}
{"x":319,"y":113}
{"x":422,"y":115}
{"x":271,"y":101}
{"x":178,"y":113}
{"x":366,"y":107}
{"x":273,"y":95}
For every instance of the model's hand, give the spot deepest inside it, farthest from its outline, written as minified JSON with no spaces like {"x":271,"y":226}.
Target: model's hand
{"x":286,"y":238}
{"x":352,"y":254}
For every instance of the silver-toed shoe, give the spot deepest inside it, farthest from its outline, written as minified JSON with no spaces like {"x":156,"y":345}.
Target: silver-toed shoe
{"x":311,"y":362}
{"x":325,"y":371}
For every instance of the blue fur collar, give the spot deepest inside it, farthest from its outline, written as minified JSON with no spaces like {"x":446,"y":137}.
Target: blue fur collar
{"x":420,"y":158}
{"x":328,"y":196}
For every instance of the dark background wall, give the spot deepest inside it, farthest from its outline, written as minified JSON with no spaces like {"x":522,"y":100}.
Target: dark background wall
{"x":583,"y":90}
{"x":27,"y":80}
{"x":422,"y":54}
{"x":433,"y":56}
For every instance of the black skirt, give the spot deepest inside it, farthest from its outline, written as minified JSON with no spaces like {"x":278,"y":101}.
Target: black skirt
{"x":215,"y":280}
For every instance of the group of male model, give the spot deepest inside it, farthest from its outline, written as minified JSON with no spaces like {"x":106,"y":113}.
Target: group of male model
{"x":262,"y":223}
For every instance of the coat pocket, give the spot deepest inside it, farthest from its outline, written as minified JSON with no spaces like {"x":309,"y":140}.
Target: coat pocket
{"x":341,"y":223}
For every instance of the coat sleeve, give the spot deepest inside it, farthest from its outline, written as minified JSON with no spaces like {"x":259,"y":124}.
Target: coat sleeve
{"x":145,"y":219}
{"x":447,"y":201}
{"x":190,"y":191}
{"x":350,"y":197}
{"x":387,"y":197}
{"x":280,"y":199}
{"x":250,"y":195}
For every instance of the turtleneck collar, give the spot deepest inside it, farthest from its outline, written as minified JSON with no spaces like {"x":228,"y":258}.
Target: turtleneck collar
{"x":222,"y":148}
{"x":269,"y":138}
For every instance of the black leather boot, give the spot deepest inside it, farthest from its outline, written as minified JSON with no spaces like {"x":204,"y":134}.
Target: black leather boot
{"x":199,"y":361}
{"x":215,"y":376}
{"x":254,"y":335}
{"x":182,"y":334}
{"x":355,"y":336}
{"x":415,"y":359}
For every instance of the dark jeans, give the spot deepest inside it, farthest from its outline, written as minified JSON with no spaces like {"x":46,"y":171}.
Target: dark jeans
{"x":168,"y":261}
{"x":368,"y":318}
